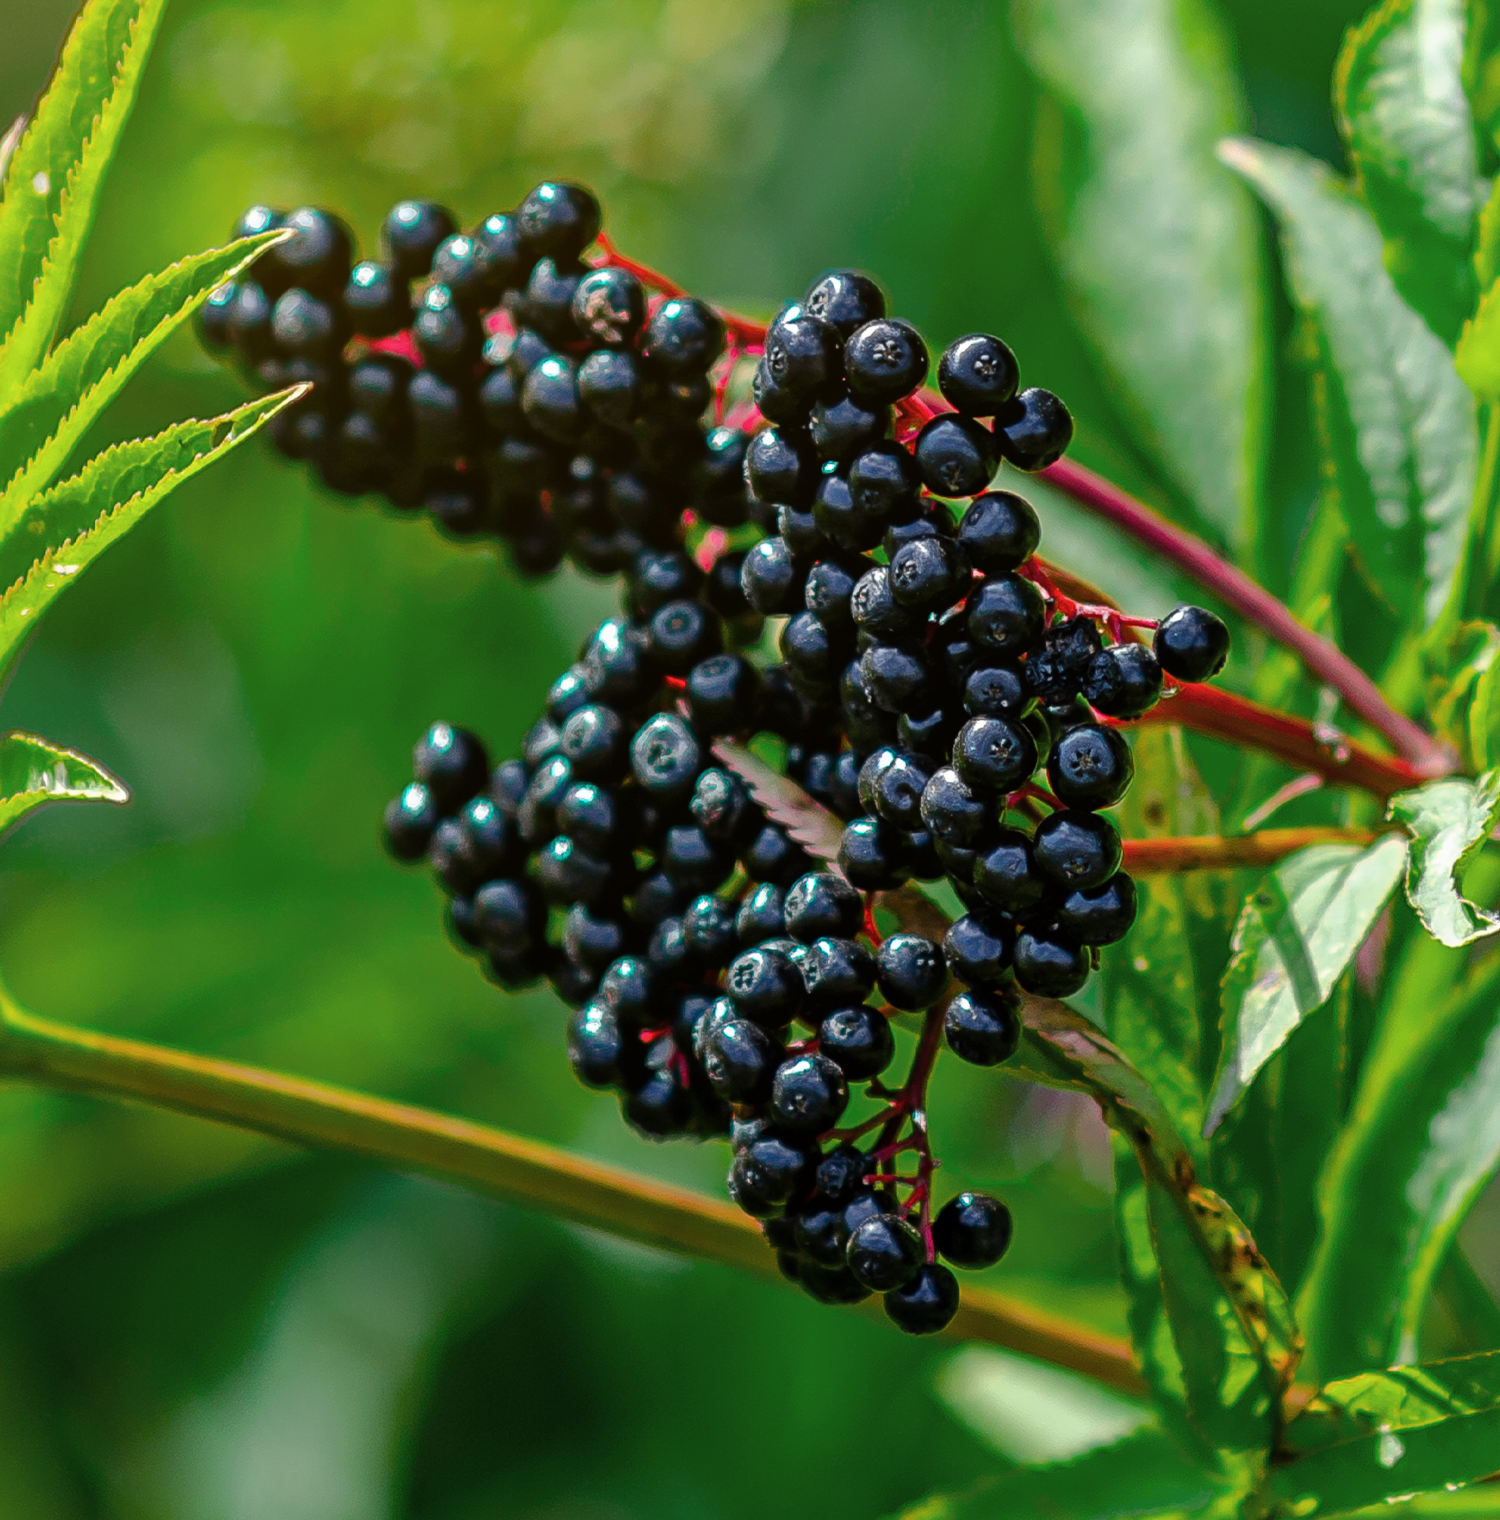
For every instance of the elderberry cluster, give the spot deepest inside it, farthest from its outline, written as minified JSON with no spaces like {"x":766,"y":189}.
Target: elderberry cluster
{"x":491,"y":378}
{"x":936,"y":693}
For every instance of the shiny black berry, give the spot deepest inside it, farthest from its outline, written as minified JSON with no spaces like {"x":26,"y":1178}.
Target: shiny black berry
{"x":994,"y":755}
{"x":808,"y":1095}
{"x":928,"y":574}
{"x":411,"y":233}
{"x":558,"y":220}
{"x":1006,"y":615}
{"x":665,"y":757}
{"x":765,"y":986}
{"x":317,"y":257}
{"x":983,"y":1027}
{"x":450,"y":762}
{"x":740,"y":1058}
{"x":1099,"y":915}
{"x":972,"y":1230}
{"x":859,"y":1039}
{"x":978,"y":947}
{"x":837,"y":973}
{"x":376,"y":302}
{"x":999,"y":532}
{"x":804,"y":354}
{"x":683,"y":338}
{"x":978,"y":374}
{"x":822,"y":903}
{"x":722,"y":693}
{"x":768,"y":1174}
{"x":410,"y":820}
{"x":1191,"y":644}
{"x":845,"y":298}
{"x":609,"y":306}
{"x":872,"y":855}
{"x":781,"y":469}
{"x":1123,"y":681}
{"x":891,"y":784}
{"x":884,"y":1253}
{"x":955,"y":455}
{"x":1034,"y":430}
{"x":1090,"y":767}
{"x":1077,"y":850}
{"x":760,"y":916}
{"x":841,"y":427}
{"x":1048,"y":962}
{"x":773,"y":578}
{"x":885,"y":486}
{"x":911,"y":972}
{"x":927,"y":1303}
{"x":951,"y":809}
{"x":884,"y":360}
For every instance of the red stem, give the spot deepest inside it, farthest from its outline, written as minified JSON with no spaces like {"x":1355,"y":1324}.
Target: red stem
{"x":1256,"y":605}
{"x":742,"y":329}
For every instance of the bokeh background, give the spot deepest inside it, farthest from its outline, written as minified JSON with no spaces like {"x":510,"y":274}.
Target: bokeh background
{"x":200,"y":1325}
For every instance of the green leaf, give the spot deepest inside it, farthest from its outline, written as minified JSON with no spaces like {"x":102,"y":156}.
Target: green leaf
{"x":34,"y":772}
{"x":1458,"y":697}
{"x":1449,"y":820}
{"x":71,"y":142}
{"x":1158,"y":248}
{"x":1405,"y":489}
{"x":1478,"y":353}
{"x":1384,"y":1435}
{"x":1405,"y":116}
{"x":1297,"y":933}
{"x":65,"y":529}
{"x":1421,"y":1140}
{"x":100,"y":58}
{"x":46,"y":416}
{"x":1141,"y":1475}
{"x":1228,"y":1314}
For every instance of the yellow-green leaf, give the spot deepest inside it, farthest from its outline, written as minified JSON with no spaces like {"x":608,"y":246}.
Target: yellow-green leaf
{"x":34,"y":772}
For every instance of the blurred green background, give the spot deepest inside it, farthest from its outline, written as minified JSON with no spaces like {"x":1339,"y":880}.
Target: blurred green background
{"x":199,"y":1324}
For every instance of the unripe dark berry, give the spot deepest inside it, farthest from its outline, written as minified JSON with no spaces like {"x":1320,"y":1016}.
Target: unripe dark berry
{"x":885,"y":360}
{"x":884,"y":1253}
{"x":978,"y":374}
{"x":972,"y":1230}
{"x":411,"y":233}
{"x":927,"y":1303}
{"x":859,"y":1039}
{"x":845,"y":298}
{"x":911,"y":971}
{"x":1090,"y":767}
{"x":1191,"y":644}
{"x":809,"y":1095}
{"x":1100,"y":915}
{"x":999,"y":532}
{"x":955,"y":455}
{"x":1077,"y":850}
{"x":983,"y":1027}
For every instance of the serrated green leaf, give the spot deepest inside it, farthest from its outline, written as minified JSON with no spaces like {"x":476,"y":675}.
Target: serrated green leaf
{"x":36,"y":179}
{"x":1226,"y":1309}
{"x":1405,"y":117}
{"x":1142,"y":1475}
{"x":78,"y":127}
{"x":74,"y":522}
{"x":1158,"y":249}
{"x":1421,"y":1139}
{"x":1383,"y":1435}
{"x":35,"y":772}
{"x":45,"y":418}
{"x":1296,"y":935}
{"x":1405,"y":490}
{"x":1449,"y":820}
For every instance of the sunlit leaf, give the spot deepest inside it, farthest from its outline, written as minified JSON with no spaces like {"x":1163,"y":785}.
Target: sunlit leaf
{"x":34,"y":772}
{"x":1421,"y":1140}
{"x":1158,"y":248}
{"x":1297,"y":933}
{"x":72,"y":524}
{"x":1405,"y":488}
{"x":77,"y":128}
{"x":1449,"y":820}
{"x":1405,"y":116}
{"x":1382,"y":1435}
{"x":43,"y":420}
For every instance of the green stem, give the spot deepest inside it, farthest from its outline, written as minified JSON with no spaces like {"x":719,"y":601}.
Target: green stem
{"x":488,"y":1160}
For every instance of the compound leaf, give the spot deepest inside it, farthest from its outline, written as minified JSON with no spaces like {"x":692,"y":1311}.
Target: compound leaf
{"x":67,"y":149}
{"x":1384,"y":1435}
{"x":1421,"y":1140}
{"x":1144,"y":1474}
{"x":1449,"y":820}
{"x":1405,"y":486}
{"x":1158,"y":249}
{"x":34,"y":772}
{"x":1405,"y":116}
{"x":46,"y":416}
{"x":74,"y":522}
{"x":1296,"y":935}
